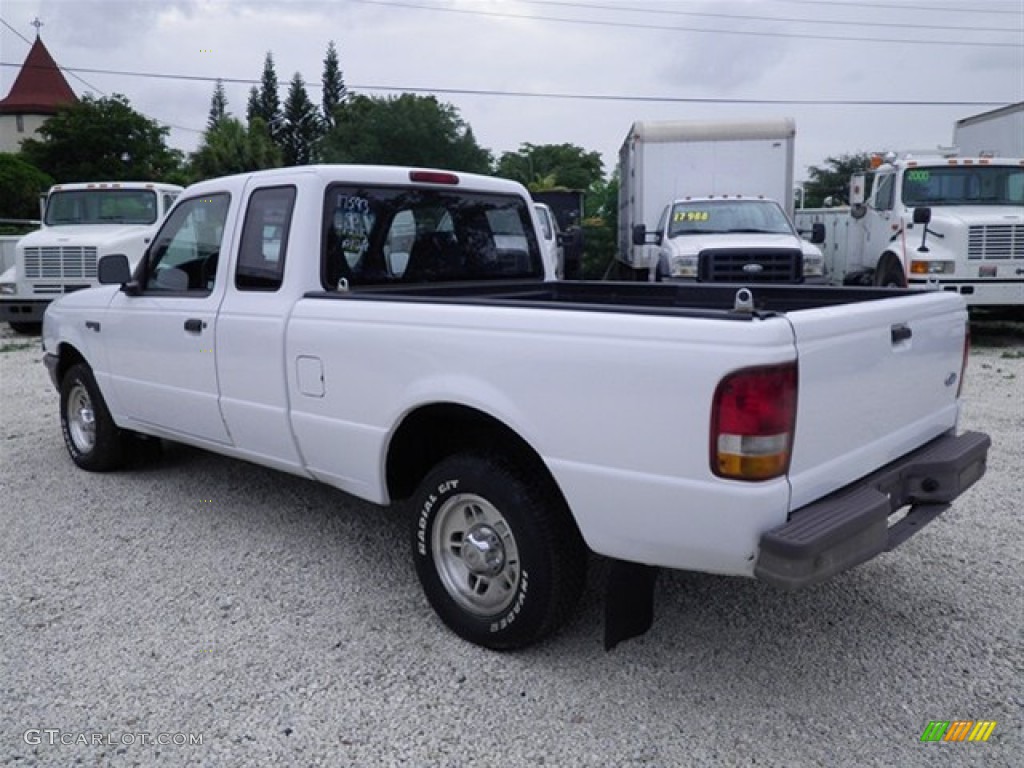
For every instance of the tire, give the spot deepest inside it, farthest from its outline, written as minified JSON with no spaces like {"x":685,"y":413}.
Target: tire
{"x":27,"y":329}
{"x":93,"y":441}
{"x":527,"y":566}
{"x":890,"y":274}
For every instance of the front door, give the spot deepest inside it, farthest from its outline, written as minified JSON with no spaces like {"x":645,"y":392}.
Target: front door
{"x":162,"y":359}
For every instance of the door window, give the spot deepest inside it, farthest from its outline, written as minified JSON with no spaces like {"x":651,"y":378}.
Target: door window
{"x":184,"y":255}
{"x":884,"y":192}
{"x":264,"y":239}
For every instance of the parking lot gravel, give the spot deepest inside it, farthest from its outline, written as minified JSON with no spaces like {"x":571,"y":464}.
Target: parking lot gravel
{"x":278,"y":622}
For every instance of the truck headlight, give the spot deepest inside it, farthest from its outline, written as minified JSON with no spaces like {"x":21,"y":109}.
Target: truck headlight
{"x":814,"y":266}
{"x":8,"y":289}
{"x":683,"y":266}
{"x":922,"y":267}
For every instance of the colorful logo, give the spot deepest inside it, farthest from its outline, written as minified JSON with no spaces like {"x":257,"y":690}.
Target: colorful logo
{"x":958,"y":730}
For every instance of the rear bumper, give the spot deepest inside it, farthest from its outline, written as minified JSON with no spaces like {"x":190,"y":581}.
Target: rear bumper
{"x":851,"y":526}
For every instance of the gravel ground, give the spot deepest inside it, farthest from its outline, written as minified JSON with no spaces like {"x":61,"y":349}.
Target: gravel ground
{"x":281,"y":621}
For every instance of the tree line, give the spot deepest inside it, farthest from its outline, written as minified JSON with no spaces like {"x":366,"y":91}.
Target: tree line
{"x":106,"y":139}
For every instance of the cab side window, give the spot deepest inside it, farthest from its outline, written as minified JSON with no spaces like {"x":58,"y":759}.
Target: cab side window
{"x":264,"y":241}
{"x":184,"y":255}
{"x":884,"y":192}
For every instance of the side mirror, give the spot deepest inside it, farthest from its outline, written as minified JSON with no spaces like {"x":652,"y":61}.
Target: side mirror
{"x":922,"y":215}
{"x":818,"y":233}
{"x":858,"y":210}
{"x":639,"y":234}
{"x":113,"y":269}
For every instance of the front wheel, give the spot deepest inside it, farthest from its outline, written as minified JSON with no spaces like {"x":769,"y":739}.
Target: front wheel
{"x":93,"y":440}
{"x":890,"y":274}
{"x":497,"y":553}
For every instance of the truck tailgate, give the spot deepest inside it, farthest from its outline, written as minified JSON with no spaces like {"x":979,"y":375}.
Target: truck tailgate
{"x":877,"y":379}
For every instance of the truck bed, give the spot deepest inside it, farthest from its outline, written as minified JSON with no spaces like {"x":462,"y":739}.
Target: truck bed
{"x":690,"y":300}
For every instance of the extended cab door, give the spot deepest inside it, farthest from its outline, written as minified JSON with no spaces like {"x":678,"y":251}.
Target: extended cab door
{"x":160,"y":343}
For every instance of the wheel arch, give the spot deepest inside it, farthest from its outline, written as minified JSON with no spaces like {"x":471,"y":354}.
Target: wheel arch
{"x":889,"y":259}
{"x":432,"y":432}
{"x":68,"y":356}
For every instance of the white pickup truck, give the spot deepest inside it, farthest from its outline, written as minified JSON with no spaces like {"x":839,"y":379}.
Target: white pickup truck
{"x":392,"y":332}
{"x":725,"y":239}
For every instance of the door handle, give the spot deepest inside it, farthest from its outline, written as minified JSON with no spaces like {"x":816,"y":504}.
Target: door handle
{"x":194,"y":325}
{"x":900,"y":332}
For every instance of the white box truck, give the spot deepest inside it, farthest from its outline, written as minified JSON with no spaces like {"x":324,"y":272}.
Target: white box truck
{"x":81,"y":223}
{"x":711,"y":201}
{"x":999,"y":133}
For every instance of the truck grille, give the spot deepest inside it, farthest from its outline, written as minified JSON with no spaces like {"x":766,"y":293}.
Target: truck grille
{"x":73,"y":262}
{"x":751,"y":265}
{"x":995,"y":241}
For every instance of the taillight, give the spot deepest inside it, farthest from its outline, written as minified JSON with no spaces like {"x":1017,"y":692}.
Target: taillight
{"x":752,"y":421}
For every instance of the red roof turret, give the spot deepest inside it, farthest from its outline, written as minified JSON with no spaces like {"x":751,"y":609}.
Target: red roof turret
{"x":39,"y":88}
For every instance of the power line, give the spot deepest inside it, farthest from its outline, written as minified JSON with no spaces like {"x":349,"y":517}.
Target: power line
{"x":88,"y":84}
{"x":892,"y":6}
{"x":661,"y":28}
{"x":744,"y":17}
{"x":556,"y":95}
{"x":29,"y":43}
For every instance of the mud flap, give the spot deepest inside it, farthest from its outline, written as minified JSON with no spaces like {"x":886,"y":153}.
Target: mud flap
{"x":628,"y":602}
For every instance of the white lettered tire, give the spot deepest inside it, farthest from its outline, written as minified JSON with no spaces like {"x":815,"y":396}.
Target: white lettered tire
{"x":497,"y":553}
{"x":93,"y":441}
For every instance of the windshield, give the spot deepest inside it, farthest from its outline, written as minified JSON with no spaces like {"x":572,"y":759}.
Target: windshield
{"x":964,"y":185}
{"x":717,"y":216}
{"x":101,"y":206}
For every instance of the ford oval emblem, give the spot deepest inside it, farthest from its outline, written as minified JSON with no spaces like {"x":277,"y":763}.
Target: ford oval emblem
{"x":753,"y":269}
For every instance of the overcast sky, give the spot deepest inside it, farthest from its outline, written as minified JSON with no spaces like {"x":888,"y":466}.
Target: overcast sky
{"x":631,"y":59}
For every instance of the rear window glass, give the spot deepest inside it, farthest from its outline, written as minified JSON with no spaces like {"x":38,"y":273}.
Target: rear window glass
{"x":381,"y":235}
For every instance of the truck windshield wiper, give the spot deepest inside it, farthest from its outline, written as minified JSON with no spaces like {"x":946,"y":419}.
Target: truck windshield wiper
{"x":756,"y":231}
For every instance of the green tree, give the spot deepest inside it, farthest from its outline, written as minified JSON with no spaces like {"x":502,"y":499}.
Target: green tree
{"x":21,"y":183}
{"x":404,"y":130}
{"x":549,"y":166}
{"x":264,"y":102}
{"x":229,"y":147}
{"x":334,"y":92}
{"x":218,"y":105}
{"x":601,"y":227}
{"x":253,"y":106}
{"x":104,"y":138}
{"x":833,"y":180}
{"x":300,"y":125}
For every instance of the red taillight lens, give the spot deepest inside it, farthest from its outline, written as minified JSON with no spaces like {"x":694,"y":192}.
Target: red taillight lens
{"x":752,"y":420}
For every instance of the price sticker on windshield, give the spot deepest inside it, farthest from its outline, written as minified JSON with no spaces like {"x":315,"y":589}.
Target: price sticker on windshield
{"x":680,"y":217}
{"x":919,"y":175}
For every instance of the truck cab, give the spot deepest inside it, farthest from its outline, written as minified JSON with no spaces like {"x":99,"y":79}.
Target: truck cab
{"x":80,"y":223}
{"x":731,"y":239}
{"x":950,"y":223}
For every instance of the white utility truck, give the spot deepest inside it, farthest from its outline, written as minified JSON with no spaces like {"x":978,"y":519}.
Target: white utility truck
{"x":394,"y":333}
{"x":946,"y":222}
{"x":711,"y":202}
{"x":81,"y":223}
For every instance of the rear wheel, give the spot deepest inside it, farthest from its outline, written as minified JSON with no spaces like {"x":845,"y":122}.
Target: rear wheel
{"x":93,"y":440}
{"x":497,"y":553}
